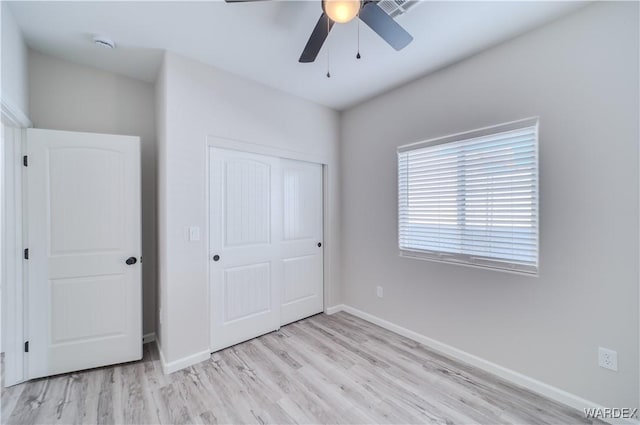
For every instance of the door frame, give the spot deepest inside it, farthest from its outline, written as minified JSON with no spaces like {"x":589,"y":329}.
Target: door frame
{"x":261,"y":149}
{"x":14,"y":302}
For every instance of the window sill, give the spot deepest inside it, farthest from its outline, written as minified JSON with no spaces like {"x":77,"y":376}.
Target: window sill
{"x":416,"y":255}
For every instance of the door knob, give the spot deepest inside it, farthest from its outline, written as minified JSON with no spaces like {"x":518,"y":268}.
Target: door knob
{"x":319,"y":244}
{"x":216,"y":257}
{"x":131,"y":260}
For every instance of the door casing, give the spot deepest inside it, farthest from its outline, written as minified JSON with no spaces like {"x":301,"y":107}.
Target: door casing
{"x":14,"y":305}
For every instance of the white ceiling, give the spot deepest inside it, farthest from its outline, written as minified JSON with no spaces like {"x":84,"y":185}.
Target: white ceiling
{"x":263,"y":40}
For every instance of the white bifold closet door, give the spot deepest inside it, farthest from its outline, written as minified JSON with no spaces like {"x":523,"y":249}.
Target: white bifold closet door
{"x":84,"y":241}
{"x":266,"y":244}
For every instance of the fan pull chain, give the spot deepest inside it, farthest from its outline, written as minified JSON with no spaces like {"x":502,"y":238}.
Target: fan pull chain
{"x":358,"y":18}
{"x":328,"y":51}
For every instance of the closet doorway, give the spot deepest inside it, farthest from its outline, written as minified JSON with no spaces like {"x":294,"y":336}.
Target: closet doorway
{"x":265,"y":239}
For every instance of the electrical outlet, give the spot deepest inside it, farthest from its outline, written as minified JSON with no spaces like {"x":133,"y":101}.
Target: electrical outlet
{"x":379,"y":292}
{"x":607,"y":358}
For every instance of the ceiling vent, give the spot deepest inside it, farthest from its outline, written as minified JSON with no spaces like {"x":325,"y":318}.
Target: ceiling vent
{"x":397,"y":7}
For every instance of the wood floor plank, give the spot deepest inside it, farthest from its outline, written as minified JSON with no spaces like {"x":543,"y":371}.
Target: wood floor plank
{"x":261,"y":397}
{"x":324,"y":369}
{"x":173,"y":408}
{"x":294,"y":399}
{"x":9,"y":399}
{"x":395,"y":375}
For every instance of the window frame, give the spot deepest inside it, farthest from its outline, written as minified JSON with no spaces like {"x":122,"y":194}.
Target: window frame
{"x":469,"y":260}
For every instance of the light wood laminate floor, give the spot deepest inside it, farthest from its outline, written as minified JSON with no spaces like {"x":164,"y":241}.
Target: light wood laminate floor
{"x":324,"y":369}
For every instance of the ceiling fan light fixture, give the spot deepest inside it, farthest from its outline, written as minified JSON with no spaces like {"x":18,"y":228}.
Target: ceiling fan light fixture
{"x":341,"y":11}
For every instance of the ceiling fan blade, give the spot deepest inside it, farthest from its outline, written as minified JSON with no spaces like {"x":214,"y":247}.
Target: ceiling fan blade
{"x":316,"y":40}
{"x":385,"y":26}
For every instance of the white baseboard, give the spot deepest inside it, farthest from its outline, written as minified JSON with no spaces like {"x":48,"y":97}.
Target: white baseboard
{"x":509,"y":375}
{"x":334,"y":309}
{"x":182,"y":363}
{"x":147,"y":338}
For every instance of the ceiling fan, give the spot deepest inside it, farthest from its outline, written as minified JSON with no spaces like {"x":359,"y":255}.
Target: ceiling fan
{"x":343,"y":11}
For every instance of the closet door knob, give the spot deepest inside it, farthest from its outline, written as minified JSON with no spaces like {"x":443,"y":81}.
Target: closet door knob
{"x":319,"y":244}
{"x":131,"y":261}
{"x":216,"y":257}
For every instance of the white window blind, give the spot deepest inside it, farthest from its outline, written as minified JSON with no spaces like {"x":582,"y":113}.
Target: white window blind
{"x":472,"y":198}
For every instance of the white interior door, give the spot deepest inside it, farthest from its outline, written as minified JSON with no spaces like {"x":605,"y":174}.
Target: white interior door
{"x":302,"y":286}
{"x":83,"y":235}
{"x":245,"y":206}
{"x":266,"y":244}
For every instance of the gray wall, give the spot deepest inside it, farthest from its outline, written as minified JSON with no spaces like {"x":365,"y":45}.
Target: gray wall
{"x":13,"y":72}
{"x":580,"y":75}
{"x":197,"y":101}
{"x":67,"y":96}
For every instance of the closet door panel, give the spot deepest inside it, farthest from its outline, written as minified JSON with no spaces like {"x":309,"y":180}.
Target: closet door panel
{"x":246,"y":271}
{"x":302,"y":249}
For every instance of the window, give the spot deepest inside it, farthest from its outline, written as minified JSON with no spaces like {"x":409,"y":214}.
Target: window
{"x":472,"y":198}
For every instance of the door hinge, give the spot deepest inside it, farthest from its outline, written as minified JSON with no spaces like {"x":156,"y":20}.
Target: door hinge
{"x":25,"y":161}
{"x":26,"y":254}
{"x":26,"y":346}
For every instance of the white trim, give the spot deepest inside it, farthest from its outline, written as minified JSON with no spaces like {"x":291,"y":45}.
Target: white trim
{"x":334,"y":309}
{"x":509,"y":375}
{"x":147,"y":338}
{"x":417,"y":255}
{"x":162,"y":362}
{"x":13,"y":300}
{"x":327,"y":265}
{"x":472,"y":134}
{"x":13,"y":116}
{"x":260,"y":149}
{"x":182,"y":363}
